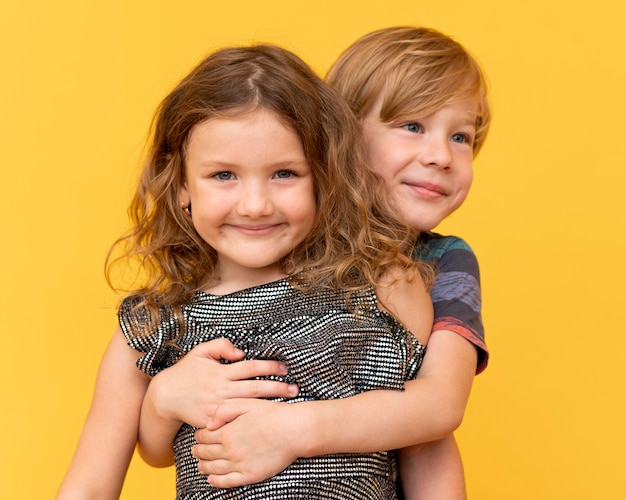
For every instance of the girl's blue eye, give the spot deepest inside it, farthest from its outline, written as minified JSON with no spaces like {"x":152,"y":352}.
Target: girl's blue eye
{"x":284,"y":174}
{"x":413,"y":127}
{"x":224,"y":176}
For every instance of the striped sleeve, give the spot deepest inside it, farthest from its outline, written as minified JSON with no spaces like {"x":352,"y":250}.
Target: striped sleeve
{"x":456,"y":292}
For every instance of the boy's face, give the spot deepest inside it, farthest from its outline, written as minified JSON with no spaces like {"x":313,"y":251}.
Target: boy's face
{"x":426,"y":161}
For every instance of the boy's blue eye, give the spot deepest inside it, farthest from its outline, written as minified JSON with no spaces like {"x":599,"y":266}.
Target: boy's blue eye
{"x":413,"y":127}
{"x":462,"y":138}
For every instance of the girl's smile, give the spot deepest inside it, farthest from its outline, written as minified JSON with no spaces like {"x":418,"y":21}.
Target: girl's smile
{"x":251,"y":192}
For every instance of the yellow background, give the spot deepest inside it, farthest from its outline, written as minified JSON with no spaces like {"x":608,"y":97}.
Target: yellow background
{"x":79,"y":82}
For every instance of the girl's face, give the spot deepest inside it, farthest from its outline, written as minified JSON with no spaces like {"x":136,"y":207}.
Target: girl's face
{"x":252,"y":195}
{"x":426,"y":161}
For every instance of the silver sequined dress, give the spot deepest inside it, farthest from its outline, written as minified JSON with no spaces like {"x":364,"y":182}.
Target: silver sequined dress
{"x":330,"y":353}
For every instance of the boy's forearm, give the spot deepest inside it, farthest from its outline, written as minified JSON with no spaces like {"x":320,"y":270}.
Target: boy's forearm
{"x":432,"y":471}
{"x":356,"y":424}
{"x":431,"y":407}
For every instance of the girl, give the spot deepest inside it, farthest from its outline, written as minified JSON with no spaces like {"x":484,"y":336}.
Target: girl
{"x":421,"y":99}
{"x":256,"y":220}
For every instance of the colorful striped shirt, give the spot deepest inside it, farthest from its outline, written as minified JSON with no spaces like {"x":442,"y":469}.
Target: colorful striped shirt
{"x":456,"y":292}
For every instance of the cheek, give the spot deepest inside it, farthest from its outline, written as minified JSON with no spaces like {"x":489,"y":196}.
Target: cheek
{"x":463,"y":188}
{"x":395,"y":202}
{"x":467,"y":181}
{"x":299,"y":206}
{"x":389,"y":162}
{"x":308,"y":211}
{"x":464,"y":174}
{"x":375,"y":156}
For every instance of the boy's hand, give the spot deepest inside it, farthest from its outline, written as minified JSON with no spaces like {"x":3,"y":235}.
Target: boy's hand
{"x":252,"y":446}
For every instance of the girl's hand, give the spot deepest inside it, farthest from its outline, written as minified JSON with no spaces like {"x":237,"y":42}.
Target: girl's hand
{"x":254,"y":445}
{"x":192,"y":389}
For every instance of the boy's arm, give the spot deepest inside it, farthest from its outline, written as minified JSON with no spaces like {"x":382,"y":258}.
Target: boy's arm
{"x":190,"y":390}
{"x":263,"y":438}
{"x":109,"y":435}
{"x":432,"y":471}
{"x":430,"y":407}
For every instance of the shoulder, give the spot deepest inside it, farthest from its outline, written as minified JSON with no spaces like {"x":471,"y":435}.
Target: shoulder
{"x":137,"y":317}
{"x":152,"y":330}
{"x":404,"y":295}
{"x":433,"y":246}
{"x":448,"y":254}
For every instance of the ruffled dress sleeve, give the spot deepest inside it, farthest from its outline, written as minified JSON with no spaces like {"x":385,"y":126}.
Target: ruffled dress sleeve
{"x":154,"y":334}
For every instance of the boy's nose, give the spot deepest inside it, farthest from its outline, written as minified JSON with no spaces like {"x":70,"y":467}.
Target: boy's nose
{"x":436,"y":153}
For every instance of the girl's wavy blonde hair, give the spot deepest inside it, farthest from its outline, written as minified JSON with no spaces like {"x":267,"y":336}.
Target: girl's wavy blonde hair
{"x":420,"y":70}
{"x":355,"y":237}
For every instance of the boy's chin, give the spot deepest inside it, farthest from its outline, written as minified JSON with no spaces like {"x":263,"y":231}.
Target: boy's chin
{"x":423,"y":223}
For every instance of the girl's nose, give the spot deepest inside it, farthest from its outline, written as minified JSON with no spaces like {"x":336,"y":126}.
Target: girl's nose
{"x":256,"y":201}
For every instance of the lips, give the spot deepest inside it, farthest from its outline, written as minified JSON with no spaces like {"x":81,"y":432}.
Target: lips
{"x":427,"y":190}
{"x":254,"y":230}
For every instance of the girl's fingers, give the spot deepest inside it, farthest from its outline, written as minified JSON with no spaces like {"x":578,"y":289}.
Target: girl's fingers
{"x":219,"y":349}
{"x":265,"y":389}
{"x":252,"y":368}
{"x":247,"y":384}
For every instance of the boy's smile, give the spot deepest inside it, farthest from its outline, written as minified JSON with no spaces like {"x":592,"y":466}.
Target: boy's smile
{"x":426,"y":162}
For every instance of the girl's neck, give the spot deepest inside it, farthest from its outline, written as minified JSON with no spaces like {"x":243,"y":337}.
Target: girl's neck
{"x":227,"y":281}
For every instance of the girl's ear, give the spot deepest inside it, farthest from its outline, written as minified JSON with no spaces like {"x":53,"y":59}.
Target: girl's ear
{"x":183,"y":196}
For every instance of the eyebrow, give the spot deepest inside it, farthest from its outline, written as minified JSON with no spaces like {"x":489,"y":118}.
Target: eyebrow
{"x":468,"y":122}
{"x":208,"y":163}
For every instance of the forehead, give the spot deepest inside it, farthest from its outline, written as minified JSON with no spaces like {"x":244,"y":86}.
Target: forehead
{"x":251,"y":138}
{"x":389,"y":107}
{"x":417,"y":90}
{"x":257,"y":119}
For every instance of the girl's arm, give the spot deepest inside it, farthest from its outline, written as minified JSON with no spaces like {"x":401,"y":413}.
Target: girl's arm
{"x":190,"y":391}
{"x":109,"y":435}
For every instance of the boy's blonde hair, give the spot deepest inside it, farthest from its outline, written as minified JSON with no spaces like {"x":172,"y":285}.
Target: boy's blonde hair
{"x":355,"y":237}
{"x":420,"y":70}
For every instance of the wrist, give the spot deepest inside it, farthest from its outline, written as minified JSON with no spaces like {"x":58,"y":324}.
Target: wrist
{"x":155,"y":401}
{"x":307,"y":428}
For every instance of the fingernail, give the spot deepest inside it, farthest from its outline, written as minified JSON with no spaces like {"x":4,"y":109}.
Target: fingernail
{"x":293,"y":389}
{"x":283,"y":368}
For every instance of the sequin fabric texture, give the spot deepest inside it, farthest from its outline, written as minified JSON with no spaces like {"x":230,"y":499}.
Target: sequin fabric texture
{"x":332,"y":348}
